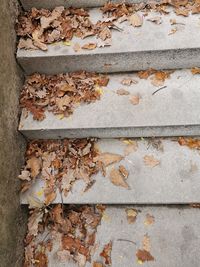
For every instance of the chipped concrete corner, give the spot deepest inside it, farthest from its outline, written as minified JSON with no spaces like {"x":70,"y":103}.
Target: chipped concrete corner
{"x":11,"y":143}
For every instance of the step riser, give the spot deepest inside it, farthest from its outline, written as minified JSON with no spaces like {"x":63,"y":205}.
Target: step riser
{"x":121,"y":62}
{"x":50,"y":4}
{"x":113,"y":132}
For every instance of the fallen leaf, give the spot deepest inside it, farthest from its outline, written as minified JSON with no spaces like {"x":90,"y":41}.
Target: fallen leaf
{"x":131,"y":215}
{"x":144,"y":255}
{"x":159,"y":78}
{"x":157,"y":20}
{"x":128,"y":81}
{"x":146,"y":243}
{"x":35,"y":218}
{"x":108,"y":158}
{"x":149,"y":220}
{"x":123,"y":92}
{"x":118,"y":179}
{"x":181,"y":11}
{"x":135,"y":99}
{"x":151,"y":161}
{"x":105,"y":34}
{"x":123,"y":171}
{"x":146,"y":73}
{"x":26,"y":44}
{"x":97,"y":264}
{"x":192,"y":143}
{"x":173,"y":30}
{"x":25,"y":175}
{"x":41,"y":259}
{"x":89,"y":46}
{"x":136,"y":20}
{"x":34,"y":164}
{"x":106,"y":253}
{"x":195,"y":70}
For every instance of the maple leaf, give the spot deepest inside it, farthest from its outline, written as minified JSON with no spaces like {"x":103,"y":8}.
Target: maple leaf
{"x":118,"y":179}
{"x":106,"y":253}
{"x":131,"y":215}
{"x":151,"y":161}
{"x":136,"y":20}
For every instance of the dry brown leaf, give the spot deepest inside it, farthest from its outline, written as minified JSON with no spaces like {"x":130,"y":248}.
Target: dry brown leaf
{"x":144,"y":255}
{"x":34,"y":164}
{"x":26,"y":44}
{"x":146,"y":73}
{"x":123,"y":171}
{"x":89,"y":46}
{"x":105,"y":34}
{"x":181,"y":11}
{"x":128,"y":81}
{"x":149,"y":220}
{"x":106,"y":253}
{"x":108,"y":158}
{"x":131,"y":215}
{"x":118,"y":179}
{"x":135,"y":99}
{"x":157,"y":20}
{"x":41,"y":259}
{"x":123,"y":92}
{"x":50,"y":197}
{"x":97,"y":264}
{"x":136,"y":20}
{"x":159,"y":78}
{"x":35,"y":218}
{"x":25,"y":175}
{"x":192,"y":143}
{"x":173,"y":30}
{"x":146,"y":243}
{"x":195,"y":70}
{"x":151,"y":161}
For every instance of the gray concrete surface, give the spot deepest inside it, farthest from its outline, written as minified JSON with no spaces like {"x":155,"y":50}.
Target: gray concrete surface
{"x":12,"y":217}
{"x":174,"y":237}
{"x":28,"y":4}
{"x":149,"y":46}
{"x":173,"y":111}
{"x":174,"y":180}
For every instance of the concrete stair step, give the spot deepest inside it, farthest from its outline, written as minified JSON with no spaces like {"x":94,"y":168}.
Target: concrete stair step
{"x":174,"y":237}
{"x":49,"y":4}
{"x":172,"y":111}
{"x":133,"y":48}
{"x":174,"y":180}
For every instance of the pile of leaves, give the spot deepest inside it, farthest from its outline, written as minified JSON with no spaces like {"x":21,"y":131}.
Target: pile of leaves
{"x":37,"y":28}
{"x":61,"y":93}
{"x":59,"y":163}
{"x":72,"y":229}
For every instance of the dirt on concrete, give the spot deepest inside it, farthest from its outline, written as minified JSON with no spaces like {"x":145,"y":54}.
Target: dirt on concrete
{"x":12,"y":144}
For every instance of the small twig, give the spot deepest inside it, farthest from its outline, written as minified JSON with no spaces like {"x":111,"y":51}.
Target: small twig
{"x":161,"y":88}
{"x":126,"y":240}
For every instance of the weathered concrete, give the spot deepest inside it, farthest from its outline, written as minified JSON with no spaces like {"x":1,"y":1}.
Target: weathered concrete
{"x":174,"y":180}
{"x":173,"y":111}
{"x":28,"y":4}
{"x":149,"y":46}
{"x":174,"y":237}
{"x":12,"y":221}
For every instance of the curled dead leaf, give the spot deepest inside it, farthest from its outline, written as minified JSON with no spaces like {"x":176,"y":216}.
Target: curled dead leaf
{"x":34,"y":164}
{"x":89,"y":46}
{"x":106,"y":253}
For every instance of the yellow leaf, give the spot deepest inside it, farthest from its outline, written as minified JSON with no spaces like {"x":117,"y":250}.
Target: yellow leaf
{"x":60,"y":116}
{"x":67,"y":43}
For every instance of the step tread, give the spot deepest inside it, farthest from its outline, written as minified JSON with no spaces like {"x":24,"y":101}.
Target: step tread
{"x":133,"y":49}
{"x":174,"y":237}
{"x":173,"y":111}
{"x":174,"y":180}
{"x":49,"y":4}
